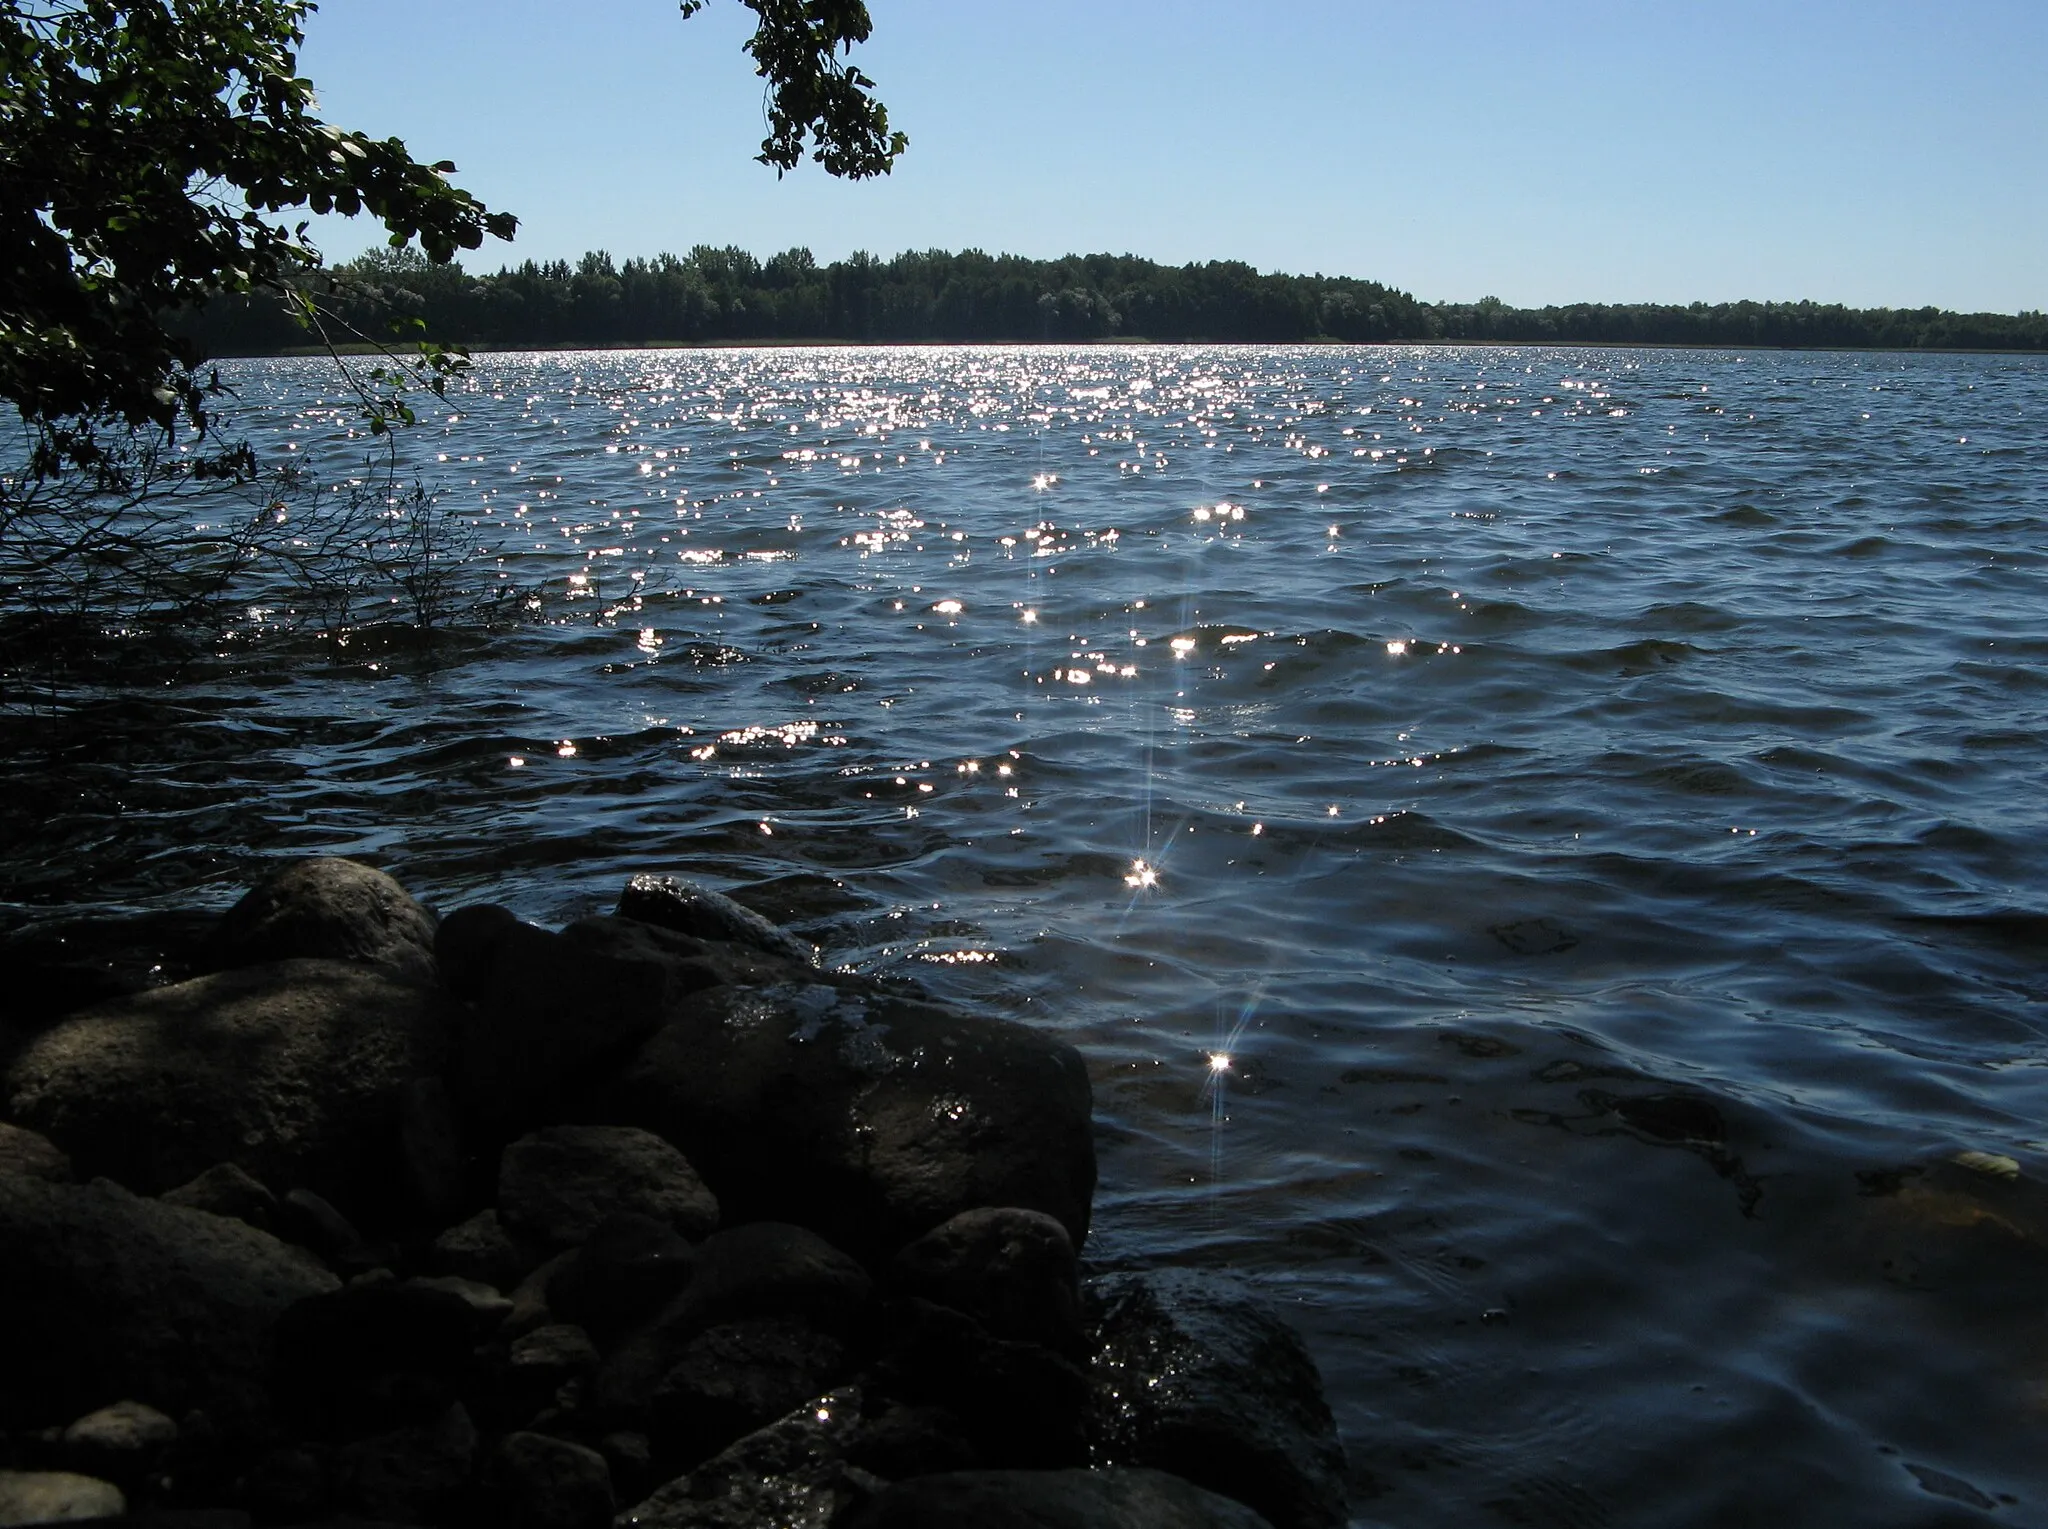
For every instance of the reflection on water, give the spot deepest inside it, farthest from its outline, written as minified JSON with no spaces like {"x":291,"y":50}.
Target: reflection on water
{"x":1541,"y":847}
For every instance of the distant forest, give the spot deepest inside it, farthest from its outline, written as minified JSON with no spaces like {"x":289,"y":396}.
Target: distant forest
{"x":727,"y":295}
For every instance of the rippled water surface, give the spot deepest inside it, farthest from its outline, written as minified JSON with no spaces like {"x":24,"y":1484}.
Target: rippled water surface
{"x":1594,"y":800}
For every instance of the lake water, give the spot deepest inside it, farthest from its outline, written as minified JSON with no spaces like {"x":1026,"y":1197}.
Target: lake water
{"x":1594,"y":799}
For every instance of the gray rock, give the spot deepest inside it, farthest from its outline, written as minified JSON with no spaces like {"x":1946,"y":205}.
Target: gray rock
{"x":792,"y":1474}
{"x":24,"y":1154}
{"x":227,"y":1190}
{"x":868,"y":1117}
{"x":537,"y":1482}
{"x":408,"y":1475}
{"x":333,"y":910}
{"x":292,"y":1071}
{"x":1195,"y":1376}
{"x":1068,"y":1499}
{"x":103,"y":1293}
{"x":120,"y":1442}
{"x":545,"y":1014}
{"x":670,"y":902}
{"x":559,"y":1185}
{"x":1012,"y":1270}
{"x":481,"y":1249}
{"x":56,"y":1497}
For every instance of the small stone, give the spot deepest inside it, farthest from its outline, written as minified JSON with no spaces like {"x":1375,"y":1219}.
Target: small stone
{"x":490,"y":1306}
{"x":120,"y":1442}
{"x":227,"y":1189}
{"x":538,"y":1482}
{"x":481,"y":1249}
{"x":56,"y":1497}
{"x":559,"y":1185}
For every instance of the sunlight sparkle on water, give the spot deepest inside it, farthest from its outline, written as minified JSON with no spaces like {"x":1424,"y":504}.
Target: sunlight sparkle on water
{"x":1142,"y":875}
{"x":1219,"y":1062}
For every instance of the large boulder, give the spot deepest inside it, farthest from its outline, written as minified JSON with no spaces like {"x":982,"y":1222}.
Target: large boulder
{"x":869,"y":1117}
{"x":333,"y":910}
{"x":296,"y":1072}
{"x":1195,"y":1376}
{"x":105,"y":1297}
{"x":58,"y":1497}
{"x":1067,"y":1499}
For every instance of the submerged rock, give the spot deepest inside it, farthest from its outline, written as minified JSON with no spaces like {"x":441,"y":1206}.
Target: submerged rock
{"x":292,"y":1071}
{"x":1193,"y":1375}
{"x":1067,"y":1499}
{"x":869,"y":1117}
{"x":104,"y":1294}
{"x":329,"y":909}
{"x":670,"y":902}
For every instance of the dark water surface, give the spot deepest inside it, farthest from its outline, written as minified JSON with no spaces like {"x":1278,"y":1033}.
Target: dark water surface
{"x":1595,"y":799}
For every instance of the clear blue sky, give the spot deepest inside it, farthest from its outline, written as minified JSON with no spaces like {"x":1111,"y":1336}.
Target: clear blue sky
{"x":1861,"y":151}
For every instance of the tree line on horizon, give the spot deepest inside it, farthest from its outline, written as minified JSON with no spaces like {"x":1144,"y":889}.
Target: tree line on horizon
{"x":714,"y":295}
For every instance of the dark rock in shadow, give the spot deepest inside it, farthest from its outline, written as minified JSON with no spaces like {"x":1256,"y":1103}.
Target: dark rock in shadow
{"x":1068,"y":1499}
{"x":327,"y":909}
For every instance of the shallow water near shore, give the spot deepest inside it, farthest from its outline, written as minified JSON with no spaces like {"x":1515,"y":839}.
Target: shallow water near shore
{"x":1590,"y":801}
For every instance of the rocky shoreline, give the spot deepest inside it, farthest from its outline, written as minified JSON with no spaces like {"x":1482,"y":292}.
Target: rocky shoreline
{"x":332,"y":1212}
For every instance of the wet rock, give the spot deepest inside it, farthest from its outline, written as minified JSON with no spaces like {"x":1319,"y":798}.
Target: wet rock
{"x":793,"y":1474}
{"x":408,"y":1475}
{"x":481,"y":1249}
{"x":545,"y":1014}
{"x":870,"y":1118}
{"x":670,"y":902}
{"x":690,"y":964}
{"x":25,"y":1154}
{"x":57,"y":1497}
{"x":1012,"y":1270}
{"x":373,"y":1354}
{"x":227,"y":1190}
{"x":106,"y":1294}
{"x":536,"y":1482}
{"x":121,"y":1443}
{"x":559,"y":1185}
{"x":629,"y":1266}
{"x":1016,"y":1404}
{"x":902,"y":1440}
{"x":1066,"y":1499}
{"x":332,"y":910}
{"x":291,"y":1071}
{"x":1194,"y":1376}
{"x":739,"y":1376}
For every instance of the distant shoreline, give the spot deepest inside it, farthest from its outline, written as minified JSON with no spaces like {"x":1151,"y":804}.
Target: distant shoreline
{"x":358,"y":348}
